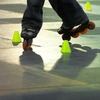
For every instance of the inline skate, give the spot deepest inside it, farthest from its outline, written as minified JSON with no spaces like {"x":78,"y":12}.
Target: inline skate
{"x":75,"y":32}
{"x":27,"y":34}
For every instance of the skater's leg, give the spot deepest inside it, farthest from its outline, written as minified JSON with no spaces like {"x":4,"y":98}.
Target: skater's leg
{"x":32,"y":18}
{"x":59,"y":9}
{"x":70,"y":12}
{"x":76,"y":12}
{"x":72,"y":15}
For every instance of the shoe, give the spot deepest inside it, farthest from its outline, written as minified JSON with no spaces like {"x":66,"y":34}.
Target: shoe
{"x":28,"y":33}
{"x":63,"y":29}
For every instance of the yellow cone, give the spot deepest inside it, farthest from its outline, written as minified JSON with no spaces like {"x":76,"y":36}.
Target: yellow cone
{"x":65,"y":47}
{"x":16,"y":37}
{"x":88,"y":6}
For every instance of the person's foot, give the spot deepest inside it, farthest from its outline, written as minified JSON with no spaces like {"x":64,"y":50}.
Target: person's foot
{"x":64,"y":30}
{"x":28,"y":33}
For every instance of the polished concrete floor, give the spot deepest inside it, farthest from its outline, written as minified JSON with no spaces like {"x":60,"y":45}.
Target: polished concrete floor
{"x":45,"y":73}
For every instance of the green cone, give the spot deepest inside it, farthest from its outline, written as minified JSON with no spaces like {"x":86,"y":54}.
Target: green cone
{"x":16,"y":37}
{"x":65,"y":47}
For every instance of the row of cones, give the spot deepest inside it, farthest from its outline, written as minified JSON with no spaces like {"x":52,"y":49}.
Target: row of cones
{"x":65,"y":46}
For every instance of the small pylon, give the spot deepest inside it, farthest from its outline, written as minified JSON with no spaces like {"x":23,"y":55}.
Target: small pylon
{"x":65,"y":47}
{"x":88,"y":6}
{"x":16,"y":37}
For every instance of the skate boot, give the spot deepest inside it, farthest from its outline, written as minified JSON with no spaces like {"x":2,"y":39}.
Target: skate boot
{"x":75,"y":32}
{"x":27,"y":34}
{"x":65,"y":31}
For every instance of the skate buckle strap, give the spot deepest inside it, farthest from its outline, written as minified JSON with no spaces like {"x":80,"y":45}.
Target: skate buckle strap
{"x":29,"y":29}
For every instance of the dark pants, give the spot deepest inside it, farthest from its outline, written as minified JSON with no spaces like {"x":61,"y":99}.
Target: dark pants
{"x":69,"y":11}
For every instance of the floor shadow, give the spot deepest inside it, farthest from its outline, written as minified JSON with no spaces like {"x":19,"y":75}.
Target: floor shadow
{"x":71,"y":64}
{"x":30,"y":58}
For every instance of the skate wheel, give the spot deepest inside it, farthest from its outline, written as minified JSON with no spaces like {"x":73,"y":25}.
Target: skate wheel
{"x":26,"y":46}
{"x":66,"y":37}
{"x":73,"y":33}
{"x":91,"y":26}
{"x":76,"y":35}
{"x":84,"y":32}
